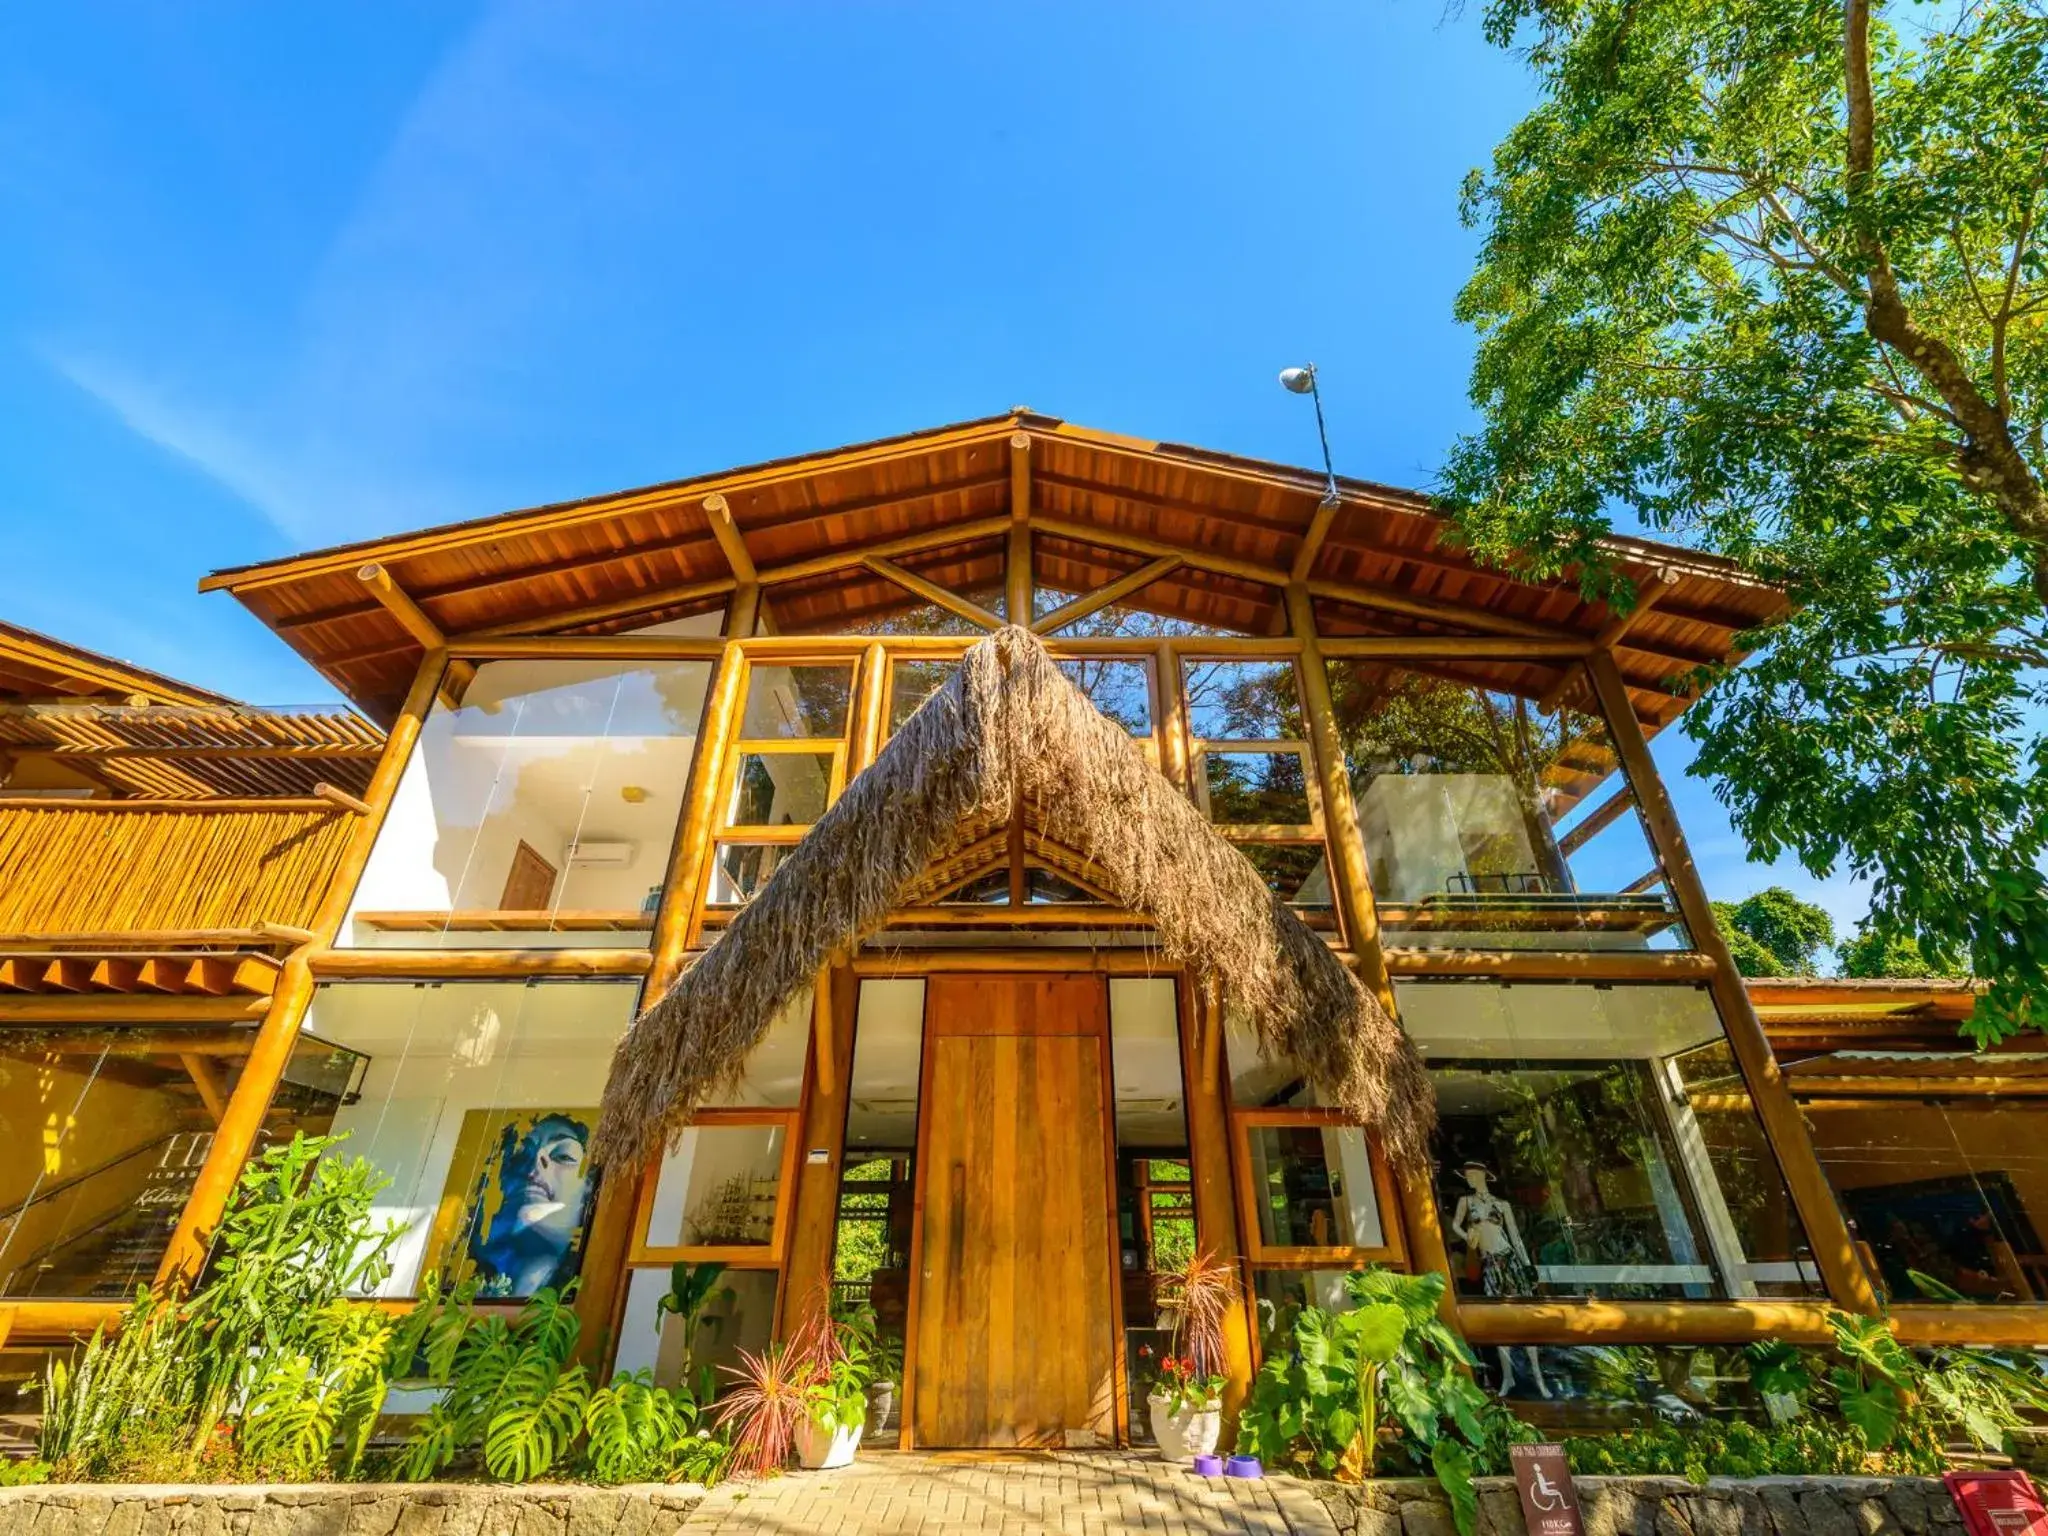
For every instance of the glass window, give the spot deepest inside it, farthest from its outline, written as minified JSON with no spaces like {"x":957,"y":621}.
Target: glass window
{"x":742,"y":869}
{"x":477,"y":1100}
{"x":797,"y":702}
{"x":877,"y":1177}
{"x":540,"y":810}
{"x":1312,"y":1186}
{"x":109,"y":1128}
{"x":1122,"y":690}
{"x":1279,"y":1295}
{"x":739,"y":1315}
{"x":1594,"y":1140}
{"x":1298,"y":873}
{"x":1256,"y":788}
{"x":780,"y":789}
{"x":1946,"y":1191}
{"x":1496,"y":819}
{"x":719,"y":1185}
{"x":1242,"y":701}
{"x":911,"y":683}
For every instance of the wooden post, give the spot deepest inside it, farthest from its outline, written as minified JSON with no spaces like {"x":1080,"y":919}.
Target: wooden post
{"x":1784,"y":1128}
{"x":870,"y":685}
{"x":696,"y":823}
{"x":1017,"y":587}
{"x":808,"y":1264}
{"x":1351,"y":880}
{"x":242,"y":1120}
{"x":1212,"y":1180}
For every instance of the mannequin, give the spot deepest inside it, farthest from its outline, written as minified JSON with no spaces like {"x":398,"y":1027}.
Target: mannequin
{"x":1485,"y":1224}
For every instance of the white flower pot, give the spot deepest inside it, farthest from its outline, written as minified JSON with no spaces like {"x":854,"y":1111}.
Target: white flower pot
{"x":1194,"y":1431}
{"x":819,"y":1448}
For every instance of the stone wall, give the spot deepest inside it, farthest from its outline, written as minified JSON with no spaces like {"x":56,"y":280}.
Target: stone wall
{"x":345,"y":1509}
{"x":1667,"y":1506}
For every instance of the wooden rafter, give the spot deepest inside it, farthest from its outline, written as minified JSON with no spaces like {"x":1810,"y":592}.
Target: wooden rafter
{"x":932,"y":592}
{"x":718,"y":513}
{"x":1312,"y":541}
{"x":1102,"y":597}
{"x":1648,"y":595}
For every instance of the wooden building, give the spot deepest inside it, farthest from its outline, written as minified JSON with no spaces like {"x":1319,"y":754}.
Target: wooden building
{"x":610,"y":721}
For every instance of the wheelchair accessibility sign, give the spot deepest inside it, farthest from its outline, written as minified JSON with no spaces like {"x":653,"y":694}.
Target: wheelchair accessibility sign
{"x":1550,"y":1505}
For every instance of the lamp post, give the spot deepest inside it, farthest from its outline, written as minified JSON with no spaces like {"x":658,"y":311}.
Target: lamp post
{"x":1302,"y":381}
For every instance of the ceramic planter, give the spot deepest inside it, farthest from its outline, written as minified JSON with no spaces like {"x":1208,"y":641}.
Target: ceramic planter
{"x":1193,"y":1431}
{"x":819,"y":1448}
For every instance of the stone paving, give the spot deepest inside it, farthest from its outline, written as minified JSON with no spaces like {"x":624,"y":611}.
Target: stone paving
{"x":1066,"y":1493}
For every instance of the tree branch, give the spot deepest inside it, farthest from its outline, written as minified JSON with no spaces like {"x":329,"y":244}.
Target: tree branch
{"x":1991,"y":462}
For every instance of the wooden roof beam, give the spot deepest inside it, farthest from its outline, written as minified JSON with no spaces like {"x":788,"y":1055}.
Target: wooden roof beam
{"x":1020,"y":477}
{"x":1102,"y":597}
{"x":718,"y":513}
{"x":932,"y":592}
{"x":888,"y":549}
{"x":1312,"y":541}
{"x":1436,"y":611}
{"x":417,"y":623}
{"x":1142,"y":544}
{"x":1648,"y":595}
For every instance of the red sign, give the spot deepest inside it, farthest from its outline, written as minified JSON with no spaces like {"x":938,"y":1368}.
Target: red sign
{"x":1550,"y":1505}
{"x":1998,"y":1503}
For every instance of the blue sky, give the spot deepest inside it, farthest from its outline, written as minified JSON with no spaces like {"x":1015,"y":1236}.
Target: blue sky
{"x":280,"y":276}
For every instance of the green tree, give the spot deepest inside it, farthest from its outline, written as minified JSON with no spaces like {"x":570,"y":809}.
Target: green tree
{"x":1768,"y":278}
{"x":1866,"y":952}
{"x":1774,"y":933}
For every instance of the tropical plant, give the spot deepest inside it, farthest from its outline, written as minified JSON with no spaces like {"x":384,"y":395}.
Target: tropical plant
{"x":1333,"y":1384}
{"x":637,"y":1432}
{"x":265,"y":1366}
{"x":1770,"y":277}
{"x":1183,"y":1386}
{"x":511,"y":1393}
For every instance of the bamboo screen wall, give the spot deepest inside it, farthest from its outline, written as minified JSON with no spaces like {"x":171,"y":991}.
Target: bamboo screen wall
{"x":70,"y":869}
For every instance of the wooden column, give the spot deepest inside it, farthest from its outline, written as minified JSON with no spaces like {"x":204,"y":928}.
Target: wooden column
{"x":870,"y":685}
{"x":1210,"y":1153}
{"x":696,"y":822}
{"x":1833,"y":1249}
{"x":242,"y":1121}
{"x":1017,"y":589}
{"x":808,"y":1265}
{"x":1351,"y":881}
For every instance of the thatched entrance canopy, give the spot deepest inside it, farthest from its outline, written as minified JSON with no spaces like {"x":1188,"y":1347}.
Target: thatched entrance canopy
{"x":1009,"y":728}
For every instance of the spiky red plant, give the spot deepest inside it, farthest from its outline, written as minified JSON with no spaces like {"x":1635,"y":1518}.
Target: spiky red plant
{"x":765,"y":1406}
{"x":1203,"y":1288}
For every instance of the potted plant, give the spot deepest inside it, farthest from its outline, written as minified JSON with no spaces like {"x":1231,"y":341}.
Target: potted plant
{"x":1186,"y":1409}
{"x":1186,"y":1400}
{"x":838,"y":1356}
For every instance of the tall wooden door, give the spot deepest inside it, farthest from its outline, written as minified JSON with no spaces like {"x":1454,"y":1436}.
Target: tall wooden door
{"x":1015,"y":1325}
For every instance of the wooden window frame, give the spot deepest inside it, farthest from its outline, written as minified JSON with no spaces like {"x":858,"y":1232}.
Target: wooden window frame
{"x":772,"y":1255}
{"x":1258,"y":1253}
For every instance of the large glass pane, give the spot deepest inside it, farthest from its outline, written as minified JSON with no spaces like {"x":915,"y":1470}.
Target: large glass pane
{"x":1948,"y":1191}
{"x":877,"y":1185}
{"x":1491,"y":821}
{"x":720,"y":1186}
{"x":739,"y":1316}
{"x":477,"y":1100}
{"x":1298,"y":873}
{"x":1592,"y":1143}
{"x":1313,"y":1187}
{"x":804,"y":702}
{"x":1154,"y":1192}
{"x":742,"y":869}
{"x":539,"y":811}
{"x":109,"y":1127}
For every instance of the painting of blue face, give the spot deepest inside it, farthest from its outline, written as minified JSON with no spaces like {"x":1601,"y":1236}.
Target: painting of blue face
{"x":519,"y":1193}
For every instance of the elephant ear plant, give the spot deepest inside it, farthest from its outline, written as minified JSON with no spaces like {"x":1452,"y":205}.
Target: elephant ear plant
{"x":1382,"y":1387}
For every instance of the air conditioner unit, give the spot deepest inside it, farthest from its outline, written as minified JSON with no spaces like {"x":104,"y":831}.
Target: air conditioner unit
{"x":594,"y":855}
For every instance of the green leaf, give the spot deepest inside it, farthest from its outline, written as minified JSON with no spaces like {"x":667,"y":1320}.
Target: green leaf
{"x":1376,"y":1330}
{"x":1873,"y":1410}
{"x":1452,"y":1464}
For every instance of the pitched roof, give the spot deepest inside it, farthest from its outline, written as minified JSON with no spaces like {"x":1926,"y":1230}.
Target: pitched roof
{"x":39,"y":667}
{"x":1102,"y":507}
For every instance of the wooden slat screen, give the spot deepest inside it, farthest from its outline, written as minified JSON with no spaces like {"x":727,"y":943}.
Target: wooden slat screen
{"x":69,"y":868}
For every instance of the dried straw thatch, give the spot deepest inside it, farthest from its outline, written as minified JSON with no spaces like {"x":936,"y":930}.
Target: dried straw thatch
{"x":1009,"y":728}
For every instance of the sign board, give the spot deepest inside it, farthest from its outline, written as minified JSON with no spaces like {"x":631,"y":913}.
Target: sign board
{"x":1550,"y":1505}
{"x":1998,"y":1503}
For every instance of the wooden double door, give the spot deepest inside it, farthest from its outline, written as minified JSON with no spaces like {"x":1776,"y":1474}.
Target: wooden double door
{"x":1014,"y":1326}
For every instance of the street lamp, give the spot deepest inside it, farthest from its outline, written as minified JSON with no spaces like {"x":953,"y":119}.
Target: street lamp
{"x":1302,"y":381}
